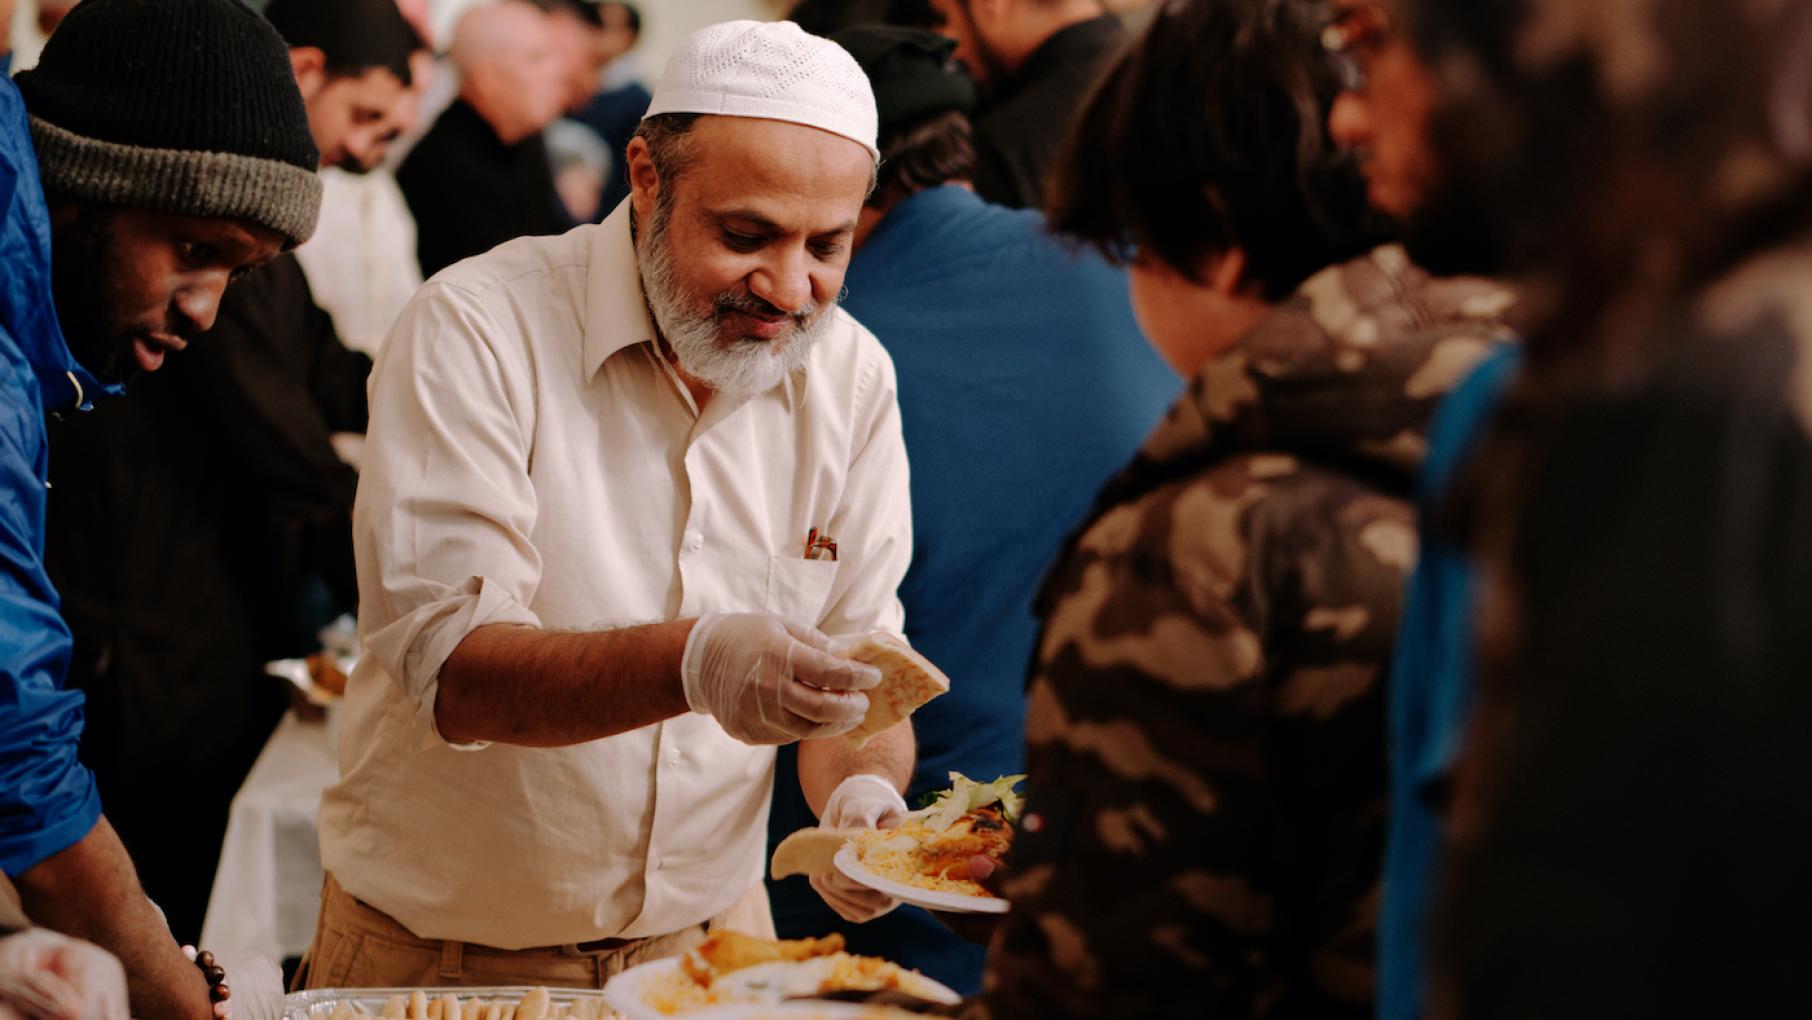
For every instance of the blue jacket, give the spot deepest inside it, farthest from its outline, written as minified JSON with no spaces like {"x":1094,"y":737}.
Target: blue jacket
{"x":47,"y":799}
{"x":1024,"y":383}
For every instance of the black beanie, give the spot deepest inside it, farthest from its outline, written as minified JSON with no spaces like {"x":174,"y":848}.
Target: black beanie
{"x":354,"y":35}
{"x":910,"y":71}
{"x":176,"y":106}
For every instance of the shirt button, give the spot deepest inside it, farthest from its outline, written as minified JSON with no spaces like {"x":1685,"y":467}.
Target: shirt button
{"x":694,"y":541}
{"x":674,"y":757}
{"x":659,"y":863}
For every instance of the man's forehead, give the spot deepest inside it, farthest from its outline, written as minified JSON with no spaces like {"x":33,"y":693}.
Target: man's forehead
{"x":775,"y":163}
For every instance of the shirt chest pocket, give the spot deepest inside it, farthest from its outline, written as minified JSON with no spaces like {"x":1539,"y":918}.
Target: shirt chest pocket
{"x":798,"y":588}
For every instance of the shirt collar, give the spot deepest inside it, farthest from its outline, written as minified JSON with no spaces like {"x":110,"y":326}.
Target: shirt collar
{"x":616,"y":315}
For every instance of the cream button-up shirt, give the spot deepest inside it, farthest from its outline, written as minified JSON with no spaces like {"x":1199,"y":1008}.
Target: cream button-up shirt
{"x":534,"y":460}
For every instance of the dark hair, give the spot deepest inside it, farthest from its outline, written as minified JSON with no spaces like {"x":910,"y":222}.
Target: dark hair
{"x":924,"y":154}
{"x":668,"y":145}
{"x":356,"y":37}
{"x":828,"y":17}
{"x":583,"y":10}
{"x":632,"y":13}
{"x":1209,"y":133}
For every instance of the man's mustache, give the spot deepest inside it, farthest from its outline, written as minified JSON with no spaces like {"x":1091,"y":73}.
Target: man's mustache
{"x":751,"y":305}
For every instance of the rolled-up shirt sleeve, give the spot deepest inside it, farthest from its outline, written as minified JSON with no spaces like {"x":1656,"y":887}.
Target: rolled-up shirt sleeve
{"x":445,"y":504}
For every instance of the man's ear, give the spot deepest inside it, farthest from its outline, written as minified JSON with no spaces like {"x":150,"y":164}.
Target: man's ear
{"x":1226,"y":272}
{"x":310,"y":65}
{"x":644,"y":179}
{"x":989,"y":14}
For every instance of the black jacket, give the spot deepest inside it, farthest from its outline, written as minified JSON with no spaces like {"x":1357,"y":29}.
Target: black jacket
{"x":1018,"y":133}
{"x":181,"y":521}
{"x":469,"y":192}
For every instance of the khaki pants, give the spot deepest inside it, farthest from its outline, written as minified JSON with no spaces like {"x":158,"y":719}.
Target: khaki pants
{"x":358,"y":946}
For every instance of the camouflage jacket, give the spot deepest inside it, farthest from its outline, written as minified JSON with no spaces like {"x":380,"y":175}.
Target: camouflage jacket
{"x":1204,"y":827}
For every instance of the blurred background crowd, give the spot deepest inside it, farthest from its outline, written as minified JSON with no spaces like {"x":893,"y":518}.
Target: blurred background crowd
{"x":1383,"y":428}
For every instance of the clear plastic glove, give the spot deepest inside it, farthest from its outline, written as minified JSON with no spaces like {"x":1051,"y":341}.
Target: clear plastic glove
{"x":256,"y":984}
{"x":47,"y":976}
{"x":859,"y":802}
{"x":768,"y":681}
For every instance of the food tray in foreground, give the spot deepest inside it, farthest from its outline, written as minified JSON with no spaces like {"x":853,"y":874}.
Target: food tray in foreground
{"x":660,"y":989}
{"x":320,"y":1003}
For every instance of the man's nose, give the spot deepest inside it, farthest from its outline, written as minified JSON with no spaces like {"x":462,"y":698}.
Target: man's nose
{"x":199,"y":302}
{"x":1349,"y":121}
{"x":785,"y":281}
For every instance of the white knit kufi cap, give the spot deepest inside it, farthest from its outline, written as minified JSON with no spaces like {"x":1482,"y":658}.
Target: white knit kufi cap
{"x":773,"y":70}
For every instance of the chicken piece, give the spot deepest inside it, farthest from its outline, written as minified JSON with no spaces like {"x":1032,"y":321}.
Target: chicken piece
{"x":725,"y":951}
{"x":983,"y":832}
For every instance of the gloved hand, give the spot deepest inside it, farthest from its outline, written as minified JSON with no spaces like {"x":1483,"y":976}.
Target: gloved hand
{"x":256,"y":983}
{"x":47,"y":976}
{"x":768,"y":681}
{"x":859,"y":802}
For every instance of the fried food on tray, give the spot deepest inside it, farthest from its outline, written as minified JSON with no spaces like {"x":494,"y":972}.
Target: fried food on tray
{"x":726,"y":951}
{"x":418,"y":1005}
{"x":732,"y":968}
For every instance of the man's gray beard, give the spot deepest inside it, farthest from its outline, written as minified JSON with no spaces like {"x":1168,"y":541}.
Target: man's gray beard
{"x":741,"y":367}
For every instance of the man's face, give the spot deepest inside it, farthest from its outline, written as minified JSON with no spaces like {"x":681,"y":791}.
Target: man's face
{"x":354,"y":118}
{"x":616,"y":38}
{"x":132,"y":286}
{"x":577,"y":54}
{"x":743,"y":257}
{"x":528,"y":82}
{"x":957,"y":21}
{"x":1383,"y":115}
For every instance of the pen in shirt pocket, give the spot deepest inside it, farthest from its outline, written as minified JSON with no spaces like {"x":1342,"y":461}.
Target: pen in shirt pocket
{"x":820,"y":546}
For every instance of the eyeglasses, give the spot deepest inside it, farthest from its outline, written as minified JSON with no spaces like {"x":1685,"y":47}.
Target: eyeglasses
{"x":1353,"y":39}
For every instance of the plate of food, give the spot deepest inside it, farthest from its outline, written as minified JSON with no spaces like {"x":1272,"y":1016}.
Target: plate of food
{"x":734,"y":970}
{"x":927,"y":860}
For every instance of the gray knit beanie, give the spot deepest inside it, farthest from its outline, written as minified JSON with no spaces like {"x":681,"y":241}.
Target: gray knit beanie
{"x":176,"y":106}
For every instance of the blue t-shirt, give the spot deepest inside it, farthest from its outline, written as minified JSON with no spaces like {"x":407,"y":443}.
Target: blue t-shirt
{"x":1431,"y":688}
{"x":1024,"y":383}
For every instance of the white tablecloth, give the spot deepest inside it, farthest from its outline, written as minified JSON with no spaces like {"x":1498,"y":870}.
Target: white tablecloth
{"x":267,"y":891}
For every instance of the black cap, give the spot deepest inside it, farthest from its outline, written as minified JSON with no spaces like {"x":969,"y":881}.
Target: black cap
{"x":179,"y":106}
{"x":911,"y":72}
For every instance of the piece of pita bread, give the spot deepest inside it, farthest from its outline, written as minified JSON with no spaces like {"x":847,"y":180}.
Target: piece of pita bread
{"x":809,"y":851}
{"x":908,"y":681}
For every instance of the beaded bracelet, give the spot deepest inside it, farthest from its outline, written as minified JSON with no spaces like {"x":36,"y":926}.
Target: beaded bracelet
{"x":218,"y":992}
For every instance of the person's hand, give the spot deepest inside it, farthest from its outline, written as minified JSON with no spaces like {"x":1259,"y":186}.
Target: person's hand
{"x":991,"y":875}
{"x":767,"y":681}
{"x":256,"y":984}
{"x":859,"y":802}
{"x":47,"y":976}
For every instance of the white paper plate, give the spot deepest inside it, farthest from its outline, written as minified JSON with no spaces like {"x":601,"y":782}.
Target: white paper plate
{"x":628,"y":991}
{"x":951,"y":903}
